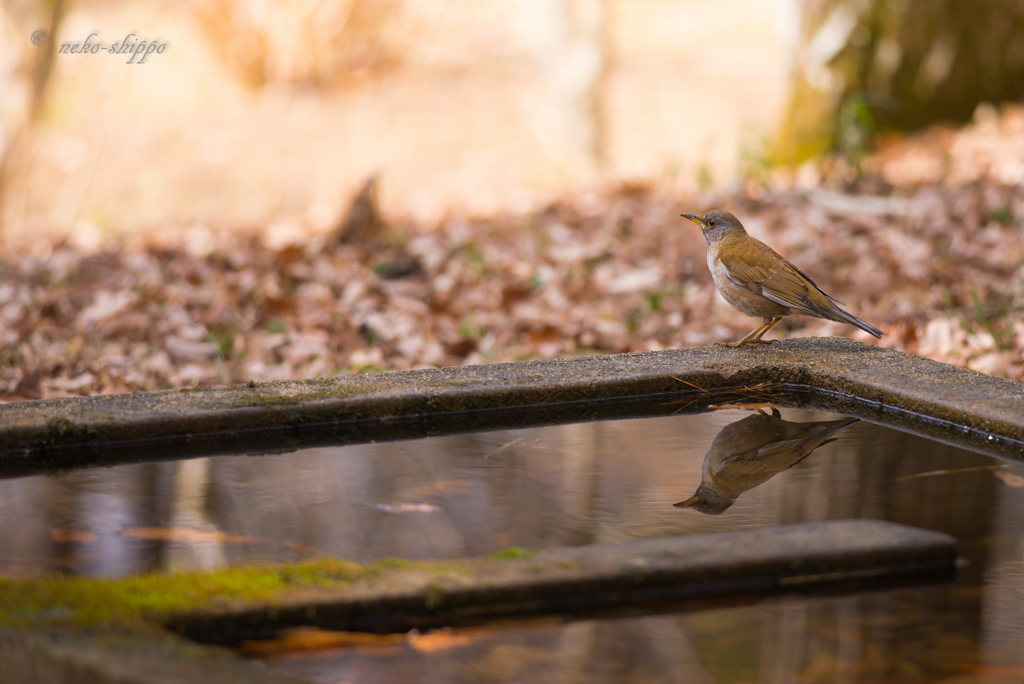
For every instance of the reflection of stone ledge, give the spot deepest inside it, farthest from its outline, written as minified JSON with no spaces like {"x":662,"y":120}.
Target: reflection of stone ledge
{"x":671,"y":574}
{"x":893,"y":388}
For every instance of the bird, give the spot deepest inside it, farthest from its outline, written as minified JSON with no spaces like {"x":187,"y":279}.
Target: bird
{"x":751,"y":451}
{"x":756,"y":280}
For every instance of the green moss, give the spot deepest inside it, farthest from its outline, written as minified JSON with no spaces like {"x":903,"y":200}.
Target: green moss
{"x":60,"y":430}
{"x":434,"y":597}
{"x":511,"y":553}
{"x":143,"y":603}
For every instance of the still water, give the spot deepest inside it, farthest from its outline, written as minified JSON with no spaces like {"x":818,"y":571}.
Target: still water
{"x":568,"y":485}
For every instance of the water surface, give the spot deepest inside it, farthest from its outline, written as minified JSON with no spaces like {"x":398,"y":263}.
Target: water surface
{"x":569,"y":485}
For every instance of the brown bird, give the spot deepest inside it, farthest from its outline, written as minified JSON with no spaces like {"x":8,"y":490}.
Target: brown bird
{"x":750,"y":452}
{"x":752,"y":277}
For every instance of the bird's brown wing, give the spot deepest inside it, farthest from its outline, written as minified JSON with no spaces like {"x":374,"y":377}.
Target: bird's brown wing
{"x":763,"y":272}
{"x":744,"y":464}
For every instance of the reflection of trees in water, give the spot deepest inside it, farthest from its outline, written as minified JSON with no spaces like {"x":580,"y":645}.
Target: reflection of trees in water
{"x":45,"y":520}
{"x":568,"y":485}
{"x":495,"y":490}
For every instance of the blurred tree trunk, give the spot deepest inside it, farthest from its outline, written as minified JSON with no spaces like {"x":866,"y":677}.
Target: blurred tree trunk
{"x":575,"y":63}
{"x":24,"y":82}
{"x":862,"y":65}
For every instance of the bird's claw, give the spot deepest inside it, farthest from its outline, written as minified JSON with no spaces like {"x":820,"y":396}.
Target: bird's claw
{"x":744,"y":343}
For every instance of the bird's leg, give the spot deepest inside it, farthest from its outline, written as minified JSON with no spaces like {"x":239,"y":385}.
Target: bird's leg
{"x":755,"y":335}
{"x":747,"y":340}
{"x":768,"y":326}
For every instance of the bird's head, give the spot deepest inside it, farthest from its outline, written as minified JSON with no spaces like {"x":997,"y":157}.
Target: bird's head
{"x":705,"y":500}
{"x":716,"y":224}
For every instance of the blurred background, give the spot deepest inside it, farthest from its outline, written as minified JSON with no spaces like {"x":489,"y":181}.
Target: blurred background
{"x":259,"y":110}
{"x":281,"y":189}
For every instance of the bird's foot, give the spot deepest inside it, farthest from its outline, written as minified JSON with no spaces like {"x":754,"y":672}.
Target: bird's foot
{"x":745,"y":343}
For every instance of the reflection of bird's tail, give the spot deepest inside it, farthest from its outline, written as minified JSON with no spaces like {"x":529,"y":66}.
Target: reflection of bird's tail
{"x":831,"y":427}
{"x":822,"y":434}
{"x":840,"y":316}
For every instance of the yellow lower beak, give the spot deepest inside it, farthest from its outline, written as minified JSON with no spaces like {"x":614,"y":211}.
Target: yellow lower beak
{"x":692,"y":500}
{"x":694,"y":218}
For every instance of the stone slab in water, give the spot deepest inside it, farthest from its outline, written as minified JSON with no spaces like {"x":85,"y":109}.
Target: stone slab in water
{"x":731,"y":565}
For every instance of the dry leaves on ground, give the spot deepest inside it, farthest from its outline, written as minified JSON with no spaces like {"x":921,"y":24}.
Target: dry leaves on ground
{"x":932,"y":253}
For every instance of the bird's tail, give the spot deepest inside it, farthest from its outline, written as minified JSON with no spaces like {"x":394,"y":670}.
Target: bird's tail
{"x":840,"y":316}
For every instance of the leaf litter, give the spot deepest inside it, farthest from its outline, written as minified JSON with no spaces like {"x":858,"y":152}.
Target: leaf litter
{"x":927,"y":244}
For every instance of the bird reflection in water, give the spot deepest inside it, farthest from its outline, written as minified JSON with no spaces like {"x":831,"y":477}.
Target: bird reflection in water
{"x":750,"y":451}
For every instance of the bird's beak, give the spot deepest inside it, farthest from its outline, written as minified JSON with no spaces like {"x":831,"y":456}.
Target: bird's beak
{"x":694,"y":218}
{"x":693,"y":499}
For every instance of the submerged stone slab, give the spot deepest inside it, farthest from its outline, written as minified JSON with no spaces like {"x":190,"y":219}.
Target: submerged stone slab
{"x":733,"y":565}
{"x":937,"y":400}
{"x":127,"y":631}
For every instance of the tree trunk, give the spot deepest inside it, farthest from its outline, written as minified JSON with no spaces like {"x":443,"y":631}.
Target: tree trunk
{"x":863,"y":65}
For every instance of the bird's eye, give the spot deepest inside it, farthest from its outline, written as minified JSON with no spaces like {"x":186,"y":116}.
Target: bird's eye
{"x":711,"y":223}
{"x":703,"y":503}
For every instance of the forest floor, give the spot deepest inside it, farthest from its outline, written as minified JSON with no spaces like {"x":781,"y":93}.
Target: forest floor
{"x":925,"y":242}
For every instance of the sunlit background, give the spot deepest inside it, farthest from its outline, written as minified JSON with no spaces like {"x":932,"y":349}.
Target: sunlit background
{"x":289,"y":189}
{"x":264,"y":110}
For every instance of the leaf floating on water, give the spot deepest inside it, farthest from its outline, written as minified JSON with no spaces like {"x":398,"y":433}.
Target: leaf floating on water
{"x":408,"y":508}
{"x":304,"y":639}
{"x":441,"y":639}
{"x":72,"y":535}
{"x":1010,"y":478}
{"x":507,"y":445}
{"x":304,"y":548}
{"x":186,"y":534}
{"x":438,"y":488}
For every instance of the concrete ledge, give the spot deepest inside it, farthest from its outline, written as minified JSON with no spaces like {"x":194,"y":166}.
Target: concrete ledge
{"x":883,"y":386}
{"x":740,"y":565}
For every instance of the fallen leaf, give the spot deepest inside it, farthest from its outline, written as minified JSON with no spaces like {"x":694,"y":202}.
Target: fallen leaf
{"x":186,"y":534}
{"x":305,"y":548}
{"x":71,"y":534}
{"x":304,"y":639}
{"x":408,"y":508}
{"x":1010,"y":478}
{"x":30,"y":386}
{"x":461,"y":347}
{"x":437,"y":488}
{"x":441,"y":639}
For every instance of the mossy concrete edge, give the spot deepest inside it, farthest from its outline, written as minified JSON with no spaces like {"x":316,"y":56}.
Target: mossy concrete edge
{"x":735,"y":565}
{"x":870,"y":382}
{"x":56,"y":646}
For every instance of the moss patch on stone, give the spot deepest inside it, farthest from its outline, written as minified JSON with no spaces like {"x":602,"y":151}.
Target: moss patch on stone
{"x":145,"y":602}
